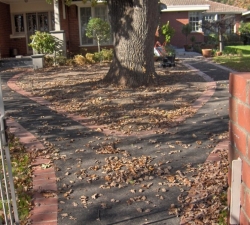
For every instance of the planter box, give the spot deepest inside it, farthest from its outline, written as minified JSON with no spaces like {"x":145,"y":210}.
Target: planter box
{"x":38,"y":61}
{"x":207,"y":52}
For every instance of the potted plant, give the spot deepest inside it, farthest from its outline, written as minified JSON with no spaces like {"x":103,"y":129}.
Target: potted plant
{"x":43,"y":43}
{"x":193,"y":39}
{"x":186,"y":30}
{"x":168,"y":32}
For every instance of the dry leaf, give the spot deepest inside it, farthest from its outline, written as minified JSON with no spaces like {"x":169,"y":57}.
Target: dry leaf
{"x":139,"y":210}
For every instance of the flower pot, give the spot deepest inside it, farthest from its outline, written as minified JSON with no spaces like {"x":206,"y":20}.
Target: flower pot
{"x":218,"y":53}
{"x":38,"y":61}
{"x":206,"y":52}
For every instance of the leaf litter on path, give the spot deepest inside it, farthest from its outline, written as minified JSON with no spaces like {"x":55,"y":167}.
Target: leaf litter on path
{"x":80,"y":91}
{"x":128,"y":111}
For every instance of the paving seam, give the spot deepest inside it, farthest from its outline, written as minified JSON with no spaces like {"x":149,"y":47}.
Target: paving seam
{"x":43,"y":218}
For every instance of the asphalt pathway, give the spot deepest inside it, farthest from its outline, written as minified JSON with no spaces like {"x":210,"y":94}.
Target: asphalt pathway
{"x":77,"y":145}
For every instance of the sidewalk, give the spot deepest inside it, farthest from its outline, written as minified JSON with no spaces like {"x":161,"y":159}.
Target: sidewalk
{"x":77,"y":180}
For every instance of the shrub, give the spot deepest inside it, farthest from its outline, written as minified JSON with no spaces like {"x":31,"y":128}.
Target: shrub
{"x":48,"y":61}
{"x":70,"y":62}
{"x":61,"y":60}
{"x":186,"y":30}
{"x":104,"y":55}
{"x":90,"y":58}
{"x":79,"y":60}
{"x":107,"y":54}
{"x":44,"y":43}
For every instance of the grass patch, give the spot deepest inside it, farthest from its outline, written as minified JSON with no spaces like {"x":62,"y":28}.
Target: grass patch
{"x":21,"y":161}
{"x":238,"y":63}
{"x":245,"y":49}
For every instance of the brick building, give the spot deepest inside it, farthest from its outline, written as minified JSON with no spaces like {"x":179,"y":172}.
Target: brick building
{"x":19,"y":19}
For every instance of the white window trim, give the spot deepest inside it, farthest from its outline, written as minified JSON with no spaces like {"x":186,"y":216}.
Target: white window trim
{"x":15,"y":34}
{"x":79,"y":6}
{"x":200,"y":21}
{"x":23,"y":34}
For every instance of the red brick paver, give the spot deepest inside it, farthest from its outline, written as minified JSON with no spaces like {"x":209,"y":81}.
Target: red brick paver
{"x":45,"y":208}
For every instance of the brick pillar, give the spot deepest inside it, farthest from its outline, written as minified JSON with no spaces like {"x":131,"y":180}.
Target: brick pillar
{"x":239,"y":134}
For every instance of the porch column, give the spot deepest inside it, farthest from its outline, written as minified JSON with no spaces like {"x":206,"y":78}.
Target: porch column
{"x":58,"y":33}
{"x":57,"y":15}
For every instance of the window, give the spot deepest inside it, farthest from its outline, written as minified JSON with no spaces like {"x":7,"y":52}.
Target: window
{"x":207,"y":20}
{"x":195,"y":21}
{"x":210,"y":17}
{"x":18,"y":24}
{"x":85,"y":15}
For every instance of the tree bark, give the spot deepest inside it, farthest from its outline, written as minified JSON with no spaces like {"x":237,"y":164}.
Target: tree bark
{"x":133,"y":23}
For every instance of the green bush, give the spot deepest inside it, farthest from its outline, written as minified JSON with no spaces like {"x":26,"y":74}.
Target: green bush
{"x":104,"y":55}
{"x":44,"y":43}
{"x":107,"y":54}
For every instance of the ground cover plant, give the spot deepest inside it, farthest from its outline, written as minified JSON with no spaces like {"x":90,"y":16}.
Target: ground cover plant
{"x":22,"y":175}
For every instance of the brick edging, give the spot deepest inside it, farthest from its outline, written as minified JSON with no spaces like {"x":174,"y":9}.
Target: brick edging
{"x":45,"y":201}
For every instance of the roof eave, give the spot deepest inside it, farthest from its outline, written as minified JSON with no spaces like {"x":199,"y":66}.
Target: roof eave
{"x":219,"y":12}
{"x":247,"y":13}
{"x":174,"y":8}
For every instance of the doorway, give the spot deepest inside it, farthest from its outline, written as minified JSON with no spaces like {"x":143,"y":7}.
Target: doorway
{"x":42,"y":21}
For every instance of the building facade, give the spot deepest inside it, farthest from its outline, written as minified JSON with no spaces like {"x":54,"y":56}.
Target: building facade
{"x":19,"y":19}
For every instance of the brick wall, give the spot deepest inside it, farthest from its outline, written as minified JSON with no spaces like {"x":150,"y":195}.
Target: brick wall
{"x":5,"y":29}
{"x":239,"y":134}
{"x":177,"y":20}
{"x":19,"y":44}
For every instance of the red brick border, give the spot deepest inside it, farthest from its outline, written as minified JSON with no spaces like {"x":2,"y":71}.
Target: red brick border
{"x":45,"y":207}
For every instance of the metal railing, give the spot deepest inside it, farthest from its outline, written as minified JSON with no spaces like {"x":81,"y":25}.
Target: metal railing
{"x":7,"y":190}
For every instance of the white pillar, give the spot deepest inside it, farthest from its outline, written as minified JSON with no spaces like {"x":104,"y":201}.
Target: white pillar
{"x":60,"y":36}
{"x":58,"y":33}
{"x":57,"y":15}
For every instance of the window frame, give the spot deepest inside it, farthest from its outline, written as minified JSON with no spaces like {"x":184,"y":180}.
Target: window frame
{"x":199,"y":21}
{"x":94,"y":43}
{"x":13,"y":28}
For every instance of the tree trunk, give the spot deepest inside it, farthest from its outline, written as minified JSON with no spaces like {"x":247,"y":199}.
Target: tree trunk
{"x":133,"y":23}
